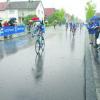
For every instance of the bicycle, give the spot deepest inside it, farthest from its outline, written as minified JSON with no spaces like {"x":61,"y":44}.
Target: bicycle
{"x":40,"y":43}
{"x":73,"y":31}
{"x":66,"y":26}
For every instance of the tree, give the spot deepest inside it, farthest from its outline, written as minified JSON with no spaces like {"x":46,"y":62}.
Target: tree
{"x":27,"y":18}
{"x":57,"y":16}
{"x":90,"y":10}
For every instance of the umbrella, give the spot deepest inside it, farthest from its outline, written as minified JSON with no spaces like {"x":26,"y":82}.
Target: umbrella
{"x":95,"y":18}
{"x":13,"y":18}
{"x":35,"y":19}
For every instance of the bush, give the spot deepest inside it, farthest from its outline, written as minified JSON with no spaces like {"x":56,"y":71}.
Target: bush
{"x":57,"y":17}
{"x":27,"y":18}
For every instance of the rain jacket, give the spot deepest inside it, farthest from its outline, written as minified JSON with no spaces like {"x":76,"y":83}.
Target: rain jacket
{"x":91,"y":28}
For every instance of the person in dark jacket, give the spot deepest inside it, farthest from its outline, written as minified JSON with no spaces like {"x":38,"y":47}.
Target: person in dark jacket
{"x":97,"y":32}
{"x":0,"y":24}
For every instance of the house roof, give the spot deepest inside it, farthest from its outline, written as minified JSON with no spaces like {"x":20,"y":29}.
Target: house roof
{"x":23,"y":5}
{"x":3,"y":6}
{"x":19,"y":5}
{"x":49,"y":11}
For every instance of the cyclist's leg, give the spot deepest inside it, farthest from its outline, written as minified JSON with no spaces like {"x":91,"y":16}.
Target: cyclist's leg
{"x":70,"y":29}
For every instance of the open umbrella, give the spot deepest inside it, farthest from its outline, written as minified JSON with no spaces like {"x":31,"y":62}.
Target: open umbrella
{"x":95,"y":18}
{"x":35,"y":19}
{"x":12,"y":18}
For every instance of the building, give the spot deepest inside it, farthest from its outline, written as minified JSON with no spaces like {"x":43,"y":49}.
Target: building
{"x":21,"y":9}
{"x":49,"y":11}
{"x":3,"y":7}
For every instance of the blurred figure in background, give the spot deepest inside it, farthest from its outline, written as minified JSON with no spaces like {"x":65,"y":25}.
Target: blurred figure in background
{"x":6,"y":23}
{"x":66,"y":25}
{"x":91,"y":32}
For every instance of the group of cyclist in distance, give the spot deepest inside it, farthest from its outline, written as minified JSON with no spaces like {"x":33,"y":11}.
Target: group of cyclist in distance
{"x":73,"y":26}
{"x":40,"y":26}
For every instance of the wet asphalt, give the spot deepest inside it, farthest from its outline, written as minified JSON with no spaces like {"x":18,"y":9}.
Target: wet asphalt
{"x":57,"y":74}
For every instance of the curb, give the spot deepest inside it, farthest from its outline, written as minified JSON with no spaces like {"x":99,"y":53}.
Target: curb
{"x":90,"y":91}
{"x":96,"y":77}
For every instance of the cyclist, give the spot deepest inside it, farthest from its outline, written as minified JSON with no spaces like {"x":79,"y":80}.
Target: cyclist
{"x":39,"y":28}
{"x":66,"y":26}
{"x":40,"y":42}
{"x":54,"y":24}
{"x":81,"y":25}
{"x":74,"y":28}
{"x":70,"y":26}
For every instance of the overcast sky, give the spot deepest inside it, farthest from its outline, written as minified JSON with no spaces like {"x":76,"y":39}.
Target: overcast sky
{"x":76,"y":7}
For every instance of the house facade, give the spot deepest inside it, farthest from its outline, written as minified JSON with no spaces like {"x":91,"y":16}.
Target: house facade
{"x":49,"y":11}
{"x":21,"y":9}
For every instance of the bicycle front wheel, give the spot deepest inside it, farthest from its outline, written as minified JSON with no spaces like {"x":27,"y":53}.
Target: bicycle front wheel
{"x":37,"y":47}
{"x":43,"y":44}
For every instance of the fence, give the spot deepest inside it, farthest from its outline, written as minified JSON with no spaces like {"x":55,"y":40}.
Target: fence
{"x":10,"y":30}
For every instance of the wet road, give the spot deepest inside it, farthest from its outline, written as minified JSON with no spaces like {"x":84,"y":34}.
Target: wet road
{"x":56,"y":75}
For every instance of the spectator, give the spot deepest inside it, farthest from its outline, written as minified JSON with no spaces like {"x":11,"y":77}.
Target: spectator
{"x":0,"y":24}
{"x":97,"y":31}
{"x":91,"y":32}
{"x":54,"y":24}
{"x":29,"y":26}
{"x":5,"y":23}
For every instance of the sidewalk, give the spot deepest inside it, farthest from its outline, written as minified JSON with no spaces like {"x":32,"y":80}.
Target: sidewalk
{"x":96,"y":69}
{"x":89,"y":76}
{"x":95,"y":57}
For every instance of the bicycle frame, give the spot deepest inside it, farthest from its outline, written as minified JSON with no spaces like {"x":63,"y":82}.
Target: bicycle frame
{"x":40,"y":43}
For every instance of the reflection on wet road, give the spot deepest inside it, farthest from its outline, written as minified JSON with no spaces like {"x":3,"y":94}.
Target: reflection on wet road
{"x":72,"y":43}
{"x":9,"y":47}
{"x":38,"y":70}
{"x":58,"y":74}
